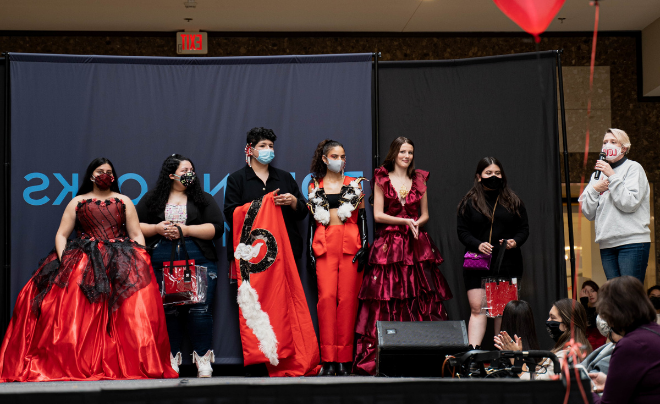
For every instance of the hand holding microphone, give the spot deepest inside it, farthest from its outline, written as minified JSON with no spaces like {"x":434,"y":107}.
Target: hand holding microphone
{"x":601,"y":157}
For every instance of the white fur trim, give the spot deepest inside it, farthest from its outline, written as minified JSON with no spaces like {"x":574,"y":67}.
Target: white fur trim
{"x":356,"y":188}
{"x":345,"y":211}
{"x":258,"y":321}
{"x":247,"y":252}
{"x":321,"y":215}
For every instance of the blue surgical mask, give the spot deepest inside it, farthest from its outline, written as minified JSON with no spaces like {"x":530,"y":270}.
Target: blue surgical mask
{"x":266,"y":156}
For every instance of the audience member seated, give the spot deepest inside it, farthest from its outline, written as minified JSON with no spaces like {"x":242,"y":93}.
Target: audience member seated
{"x":518,"y":321}
{"x":654,"y":295}
{"x":599,"y":359}
{"x":562,"y":314}
{"x":635,"y":365}
{"x":589,"y":296}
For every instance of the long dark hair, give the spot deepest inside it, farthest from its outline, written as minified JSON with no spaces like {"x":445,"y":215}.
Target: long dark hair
{"x":508,"y":199}
{"x":318,"y":167}
{"x":518,"y":319}
{"x":395,"y":147}
{"x":571,"y":311}
{"x":161,"y":193}
{"x":87,"y":184}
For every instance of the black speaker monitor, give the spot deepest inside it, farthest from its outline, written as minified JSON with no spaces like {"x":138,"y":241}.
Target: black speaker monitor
{"x":417,"y":348}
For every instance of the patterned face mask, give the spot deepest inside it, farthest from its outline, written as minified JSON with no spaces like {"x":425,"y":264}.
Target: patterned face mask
{"x":187,"y":179}
{"x":103,"y":181}
{"x":603,"y":327}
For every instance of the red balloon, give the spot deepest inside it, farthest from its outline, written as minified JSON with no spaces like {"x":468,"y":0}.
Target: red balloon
{"x":533,"y":16}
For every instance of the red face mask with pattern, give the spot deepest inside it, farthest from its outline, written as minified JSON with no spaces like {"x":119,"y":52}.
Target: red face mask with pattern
{"x":103,"y":181}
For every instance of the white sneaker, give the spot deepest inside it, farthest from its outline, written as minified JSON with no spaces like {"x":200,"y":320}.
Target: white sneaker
{"x":175,"y":361}
{"x":203,"y":363}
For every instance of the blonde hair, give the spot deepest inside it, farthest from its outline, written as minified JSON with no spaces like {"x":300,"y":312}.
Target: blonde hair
{"x":622,"y":137}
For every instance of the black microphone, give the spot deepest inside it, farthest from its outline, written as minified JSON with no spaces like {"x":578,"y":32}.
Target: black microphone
{"x":602,"y":157}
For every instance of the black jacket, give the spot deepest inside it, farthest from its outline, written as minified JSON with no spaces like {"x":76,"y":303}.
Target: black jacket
{"x":244,"y":186}
{"x":196,"y":215}
{"x":474,"y":229}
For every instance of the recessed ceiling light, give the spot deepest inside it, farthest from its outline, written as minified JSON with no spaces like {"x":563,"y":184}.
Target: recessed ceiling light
{"x":188,"y":19}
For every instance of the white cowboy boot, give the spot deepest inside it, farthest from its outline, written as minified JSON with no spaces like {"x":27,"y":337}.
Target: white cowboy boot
{"x":203,"y":363}
{"x":175,"y":361}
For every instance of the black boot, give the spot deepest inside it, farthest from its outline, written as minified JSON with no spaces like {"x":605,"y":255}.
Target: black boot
{"x":343,"y":369}
{"x":328,"y":369}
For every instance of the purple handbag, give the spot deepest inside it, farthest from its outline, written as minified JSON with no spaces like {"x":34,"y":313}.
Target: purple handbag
{"x":476,"y":261}
{"x":480,"y":261}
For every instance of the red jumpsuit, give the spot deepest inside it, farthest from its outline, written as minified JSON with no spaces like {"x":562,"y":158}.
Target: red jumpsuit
{"x":338,"y":283}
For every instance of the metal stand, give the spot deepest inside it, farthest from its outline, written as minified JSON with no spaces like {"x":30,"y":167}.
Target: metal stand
{"x":5,"y":294}
{"x":375,"y":131}
{"x":567,"y":177}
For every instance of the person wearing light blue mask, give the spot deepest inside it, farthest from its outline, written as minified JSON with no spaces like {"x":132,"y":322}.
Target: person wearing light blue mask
{"x":252,"y":182}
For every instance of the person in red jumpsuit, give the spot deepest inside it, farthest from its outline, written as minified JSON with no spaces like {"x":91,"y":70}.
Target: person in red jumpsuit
{"x":337,"y":253}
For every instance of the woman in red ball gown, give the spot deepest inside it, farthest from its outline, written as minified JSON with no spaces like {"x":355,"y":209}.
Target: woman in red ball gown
{"x":403,"y":282}
{"x":92,"y":310}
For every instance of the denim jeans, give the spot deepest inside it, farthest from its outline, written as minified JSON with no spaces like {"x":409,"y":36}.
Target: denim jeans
{"x":628,"y":259}
{"x":194,"y":319}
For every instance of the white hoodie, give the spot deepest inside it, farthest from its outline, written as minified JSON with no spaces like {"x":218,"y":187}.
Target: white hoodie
{"x":623,"y":212}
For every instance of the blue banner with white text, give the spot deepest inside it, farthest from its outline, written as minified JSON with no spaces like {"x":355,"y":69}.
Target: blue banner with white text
{"x":67,"y":110}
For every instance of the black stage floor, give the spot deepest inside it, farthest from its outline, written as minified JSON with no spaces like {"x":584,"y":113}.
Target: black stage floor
{"x":322,"y":390}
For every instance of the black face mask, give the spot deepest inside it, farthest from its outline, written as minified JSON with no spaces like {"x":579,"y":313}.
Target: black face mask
{"x":656,"y":302}
{"x":553,"y":329}
{"x":492,"y":182}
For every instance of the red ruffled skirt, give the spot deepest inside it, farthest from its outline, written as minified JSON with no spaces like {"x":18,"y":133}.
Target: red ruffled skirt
{"x":65,"y":328}
{"x":403,"y":283}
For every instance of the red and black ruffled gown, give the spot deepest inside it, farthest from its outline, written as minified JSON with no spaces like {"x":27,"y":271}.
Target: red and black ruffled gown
{"x":403,"y":282}
{"x":96,"y":315}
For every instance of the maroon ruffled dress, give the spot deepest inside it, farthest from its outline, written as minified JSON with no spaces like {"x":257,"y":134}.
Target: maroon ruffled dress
{"x":95,"y":315}
{"x":402,"y":282}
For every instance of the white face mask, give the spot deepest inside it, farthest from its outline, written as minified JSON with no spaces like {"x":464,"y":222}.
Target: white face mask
{"x":611,"y":151}
{"x":335,"y":165}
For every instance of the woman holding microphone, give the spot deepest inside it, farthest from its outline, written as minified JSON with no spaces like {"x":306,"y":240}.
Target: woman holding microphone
{"x":619,"y":203}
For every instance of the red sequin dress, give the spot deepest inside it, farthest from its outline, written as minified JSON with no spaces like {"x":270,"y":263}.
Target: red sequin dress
{"x":403,"y":282}
{"x":96,"y":315}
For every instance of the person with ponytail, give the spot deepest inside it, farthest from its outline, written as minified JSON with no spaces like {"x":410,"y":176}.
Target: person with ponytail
{"x":178,"y":205}
{"x":402,"y":281}
{"x":92,"y":310}
{"x":489,"y":214}
{"x":337,"y":253}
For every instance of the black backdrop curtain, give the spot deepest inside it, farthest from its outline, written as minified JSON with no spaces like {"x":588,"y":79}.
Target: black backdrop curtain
{"x":459,"y":111}
{"x":4,"y":272}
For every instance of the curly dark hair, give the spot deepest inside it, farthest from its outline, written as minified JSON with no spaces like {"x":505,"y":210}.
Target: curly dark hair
{"x":319,"y":169}
{"x":395,"y":147}
{"x":255,"y":135}
{"x":161,"y":193}
{"x":87,"y":184}
{"x":508,"y":198}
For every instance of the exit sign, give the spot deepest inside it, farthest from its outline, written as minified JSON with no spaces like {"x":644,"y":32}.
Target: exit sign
{"x":191,"y":43}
